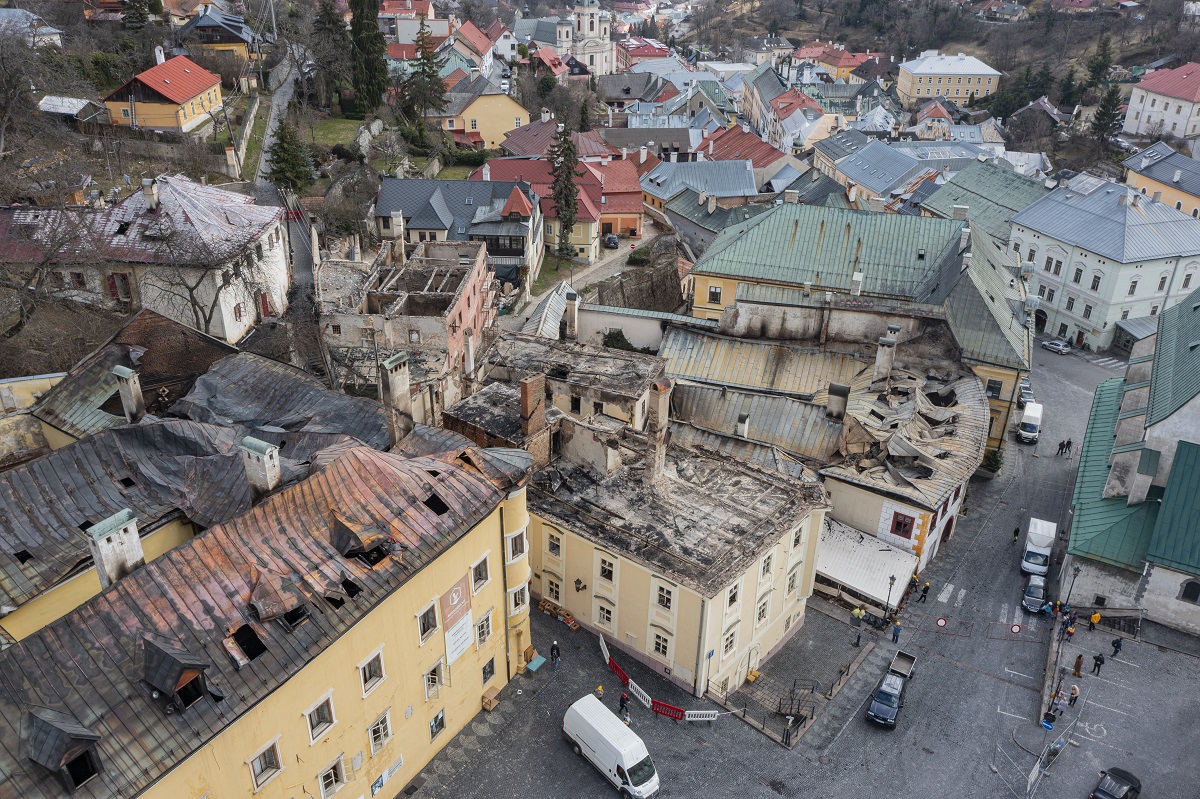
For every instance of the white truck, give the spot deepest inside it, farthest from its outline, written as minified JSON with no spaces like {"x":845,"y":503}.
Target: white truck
{"x":1031,"y":424}
{"x":1039,"y":539}
{"x":616,"y":751}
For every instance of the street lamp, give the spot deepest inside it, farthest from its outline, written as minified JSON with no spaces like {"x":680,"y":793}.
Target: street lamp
{"x":1074,"y":573}
{"x":887,"y":608}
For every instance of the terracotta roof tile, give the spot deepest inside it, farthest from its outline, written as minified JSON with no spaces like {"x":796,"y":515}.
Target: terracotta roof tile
{"x":1182,"y":82}
{"x":474,"y":37}
{"x":178,"y":79}
{"x":517,"y":203}
{"x":736,"y":144}
{"x":792,"y":101}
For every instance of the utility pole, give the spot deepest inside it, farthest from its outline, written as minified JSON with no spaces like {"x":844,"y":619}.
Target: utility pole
{"x":274,"y":29}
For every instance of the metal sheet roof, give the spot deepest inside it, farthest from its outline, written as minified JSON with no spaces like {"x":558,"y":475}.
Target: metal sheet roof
{"x":986,"y":310}
{"x":720,"y":178}
{"x":1176,"y":376}
{"x":1114,"y":222}
{"x":878,"y":167}
{"x":1176,"y":540}
{"x":861,"y":562}
{"x":1160,"y":163}
{"x":763,"y":456}
{"x":545,"y":319}
{"x":1141,"y":327}
{"x":643,"y":313}
{"x":992,"y":193}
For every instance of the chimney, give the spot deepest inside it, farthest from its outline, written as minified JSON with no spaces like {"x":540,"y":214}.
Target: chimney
{"x":658,"y":412}
{"x":816,"y":175}
{"x":624,"y":153}
{"x":571,"y":315}
{"x":1178,"y":175}
{"x":743,"y":425}
{"x":115,"y":546}
{"x":702,"y":198}
{"x":745,"y":128}
{"x":131,"y":394}
{"x":397,"y":400}
{"x":487,"y":171}
{"x":852,"y":193}
{"x":791,"y":196}
{"x":945,"y":172}
{"x":533,"y":404}
{"x":1145,"y":161}
{"x":885,"y":356}
{"x":959,"y":212}
{"x":469,"y":354}
{"x":1157,"y":196}
{"x":545,"y":115}
{"x":839,"y":394}
{"x":150,"y":193}
{"x":261,"y":461}
{"x":964,"y":240}
{"x":642,"y":154}
{"x":712,"y":203}
{"x":711,"y":143}
{"x":159,"y":56}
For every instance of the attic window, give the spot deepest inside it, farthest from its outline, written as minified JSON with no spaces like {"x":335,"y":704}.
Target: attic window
{"x":128,"y":482}
{"x":23,"y":556}
{"x":351,"y":588}
{"x":80,"y":769}
{"x":436,"y":504}
{"x":373,"y":556}
{"x":191,"y":691}
{"x":921,"y":254}
{"x":249,"y":642}
{"x":470,"y":201}
{"x":293,"y":618}
{"x":123,"y":228}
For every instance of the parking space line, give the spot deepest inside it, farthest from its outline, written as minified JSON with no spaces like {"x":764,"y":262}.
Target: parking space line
{"x":1106,"y":707}
{"x":1019,"y":674}
{"x":1010,"y":715}
{"x":1004,"y":613}
{"x":1096,"y":741}
{"x":1124,"y":663}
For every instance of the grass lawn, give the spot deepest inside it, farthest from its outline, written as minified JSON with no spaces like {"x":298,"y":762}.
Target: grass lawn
{"x":254,"y":146}
{"x":455,"y":173}
{"x":336,"y":131}
{"x":554,"y":269}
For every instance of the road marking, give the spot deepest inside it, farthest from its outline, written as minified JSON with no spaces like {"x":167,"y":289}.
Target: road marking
{"x":944,"y":596}
{"x":1097,"y":741}
{"x":962,"y":594}
{"x":1124,"y":662}
{"x":1106,"y":707}
{"x":1010,"y":715}
{"x":1019,"y":674}
{"x":1004,"y":613}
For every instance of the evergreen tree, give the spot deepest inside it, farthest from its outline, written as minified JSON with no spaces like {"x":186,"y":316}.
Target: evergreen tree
{"x":424,"y":86}
{"x":1043,"y":82}
{"x":1099,"y":64}
{"x":1068,"y":89}
{"x":137,"y":14}
{"x":291,"y":162}
{"x":370,"y":70}
{"x":155,"y":7}
{"x":564,"y":169}
{"x":585,"y":117}
{"x":1107,"y":120}
{"x":330,"y":50}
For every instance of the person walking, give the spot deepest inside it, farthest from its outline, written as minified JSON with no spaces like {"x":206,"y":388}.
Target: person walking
{"x":1117,"y":643}
{"x":623,"y":704}
{"x":1060,"y":705}
{"x":1078,"y":665}
{"x":1062,"y":446}
{"x":1070,"y":632}
{"x":1074,"y":618}
{"x":1016,"y":534}
{"x":555,"y":655}
{"x":1068,"y":447}
{"x":913,"y":582}
{"x":896,"y":628}
{"x":924,"y":593}
{"x":1097,"y":662}
{"x":625,"y":718}
{"x":1093,"y":621}
{"x":1074,"y":693}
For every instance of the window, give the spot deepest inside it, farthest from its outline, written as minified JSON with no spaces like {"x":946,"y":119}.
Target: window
{"x":433,"y":681}
{"x":1132,"y":288}
{"x":1049,"y":264}
{"x":1096,"y":283}
{"x":1049,"y":295}
{"x":518,"y":600}
{"x":733,"y":595}
{"x":714,"y":295}
{"x":265,"y":765}
{"x":437,"y":725}
{"x":1087,"y":312}
{"x":576,"y":405}
{"x":1124,"y":314}
{"x":489,"y":670}
{"x":479,"y":574}
{"x":483,"y":630}
{"x":80,"y":282}
{"x":797,"y":537}
{"x":661,"y":645}
{"x":237,"y":312}
{"x":258,"y":251}
{"x":1078,"y":275}
{"x":335,"y":330}
{"x":902,"y":525}
{"x":664,"y":597}
{"x":1191,"y":592}
{"x":606,"y":569}
{"x":554,"y":544}
{"x":1041,"y":291}
{"x":414,"y":336}
{"x":450,"y":124}
{"x":1162,"y":283}
{"x":474,"y":125}
{"x":764,"y":608}
{"x":380,"y":732}
{"x":993,"y":388}
{"x":1062,"y":329}
{"x":333,"y":779}
{"x":320,"y":719}
{"x":553,"y":590}
{"x":427,"y":622}
{"x":730,"y":641}
{"x":766,"y":566}
{"x":371,"y":673}
{"x":1187,"y":280}
{"x":125,"y":113}
{"x":604,"y":616}
{"x":793,"y":581}
{"x":1070,"y":303}
{"x":1154,"y":310}
{"x":516,"y":122}
{"x":516,"y":546}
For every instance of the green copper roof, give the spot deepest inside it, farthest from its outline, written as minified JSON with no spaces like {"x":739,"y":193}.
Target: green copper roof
{"x":1176,"y":541}
{"x":1176,"y":376}
{"x":986,"y":310}
{"x":992,"y":192}
{"x":1108,"y":530}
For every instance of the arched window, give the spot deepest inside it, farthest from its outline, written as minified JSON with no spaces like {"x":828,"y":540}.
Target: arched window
{"x":1179,"y":205}
{"x":1191,"y":592}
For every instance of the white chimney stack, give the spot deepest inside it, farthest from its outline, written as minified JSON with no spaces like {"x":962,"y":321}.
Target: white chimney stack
{"x":469,"y":354}
{"x":487,"y":172}
{"x":571,"y":316}
{"x":261,"y":461}
{"x":115,"y":546}
{"x":130,"y":388}
{"x":712,"y":203}
{"x":397,"y":399}
{"x":885,"y":356}
{"x":545,"y":115}
{"x":159,"y":55}
{"x":150,"y":193}
{"x":657,"y":416}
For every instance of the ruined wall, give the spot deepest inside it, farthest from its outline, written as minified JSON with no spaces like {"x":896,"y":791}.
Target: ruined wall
{"x":21,"y":439}
{"x":654,"y":288}
{"x":793,"y":323}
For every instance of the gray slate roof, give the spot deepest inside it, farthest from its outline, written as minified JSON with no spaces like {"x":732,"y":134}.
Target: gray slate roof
{"x":543,"y":30}
{"x":1176,"y":376}
{"x":686,"y":204}
{"x":1159,"y":163}
{"x":992,"y":192}
{"x":1105,"y":221}
{"x":878,"y":168}
{"x":722,"y":178}
{"x":840,"y":145}
{"x":447,"y":204}
{"x":629,"y":86}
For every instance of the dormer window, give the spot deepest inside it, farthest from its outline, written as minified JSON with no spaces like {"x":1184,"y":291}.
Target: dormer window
{"x":59,"y":744}
{"x":175,"y":675}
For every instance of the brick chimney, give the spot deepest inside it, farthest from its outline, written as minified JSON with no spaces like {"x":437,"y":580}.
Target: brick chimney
{"x":261,"y":461}
{"x":116,"y":547}
{"x":533,"y":419}
{"x":131,"y":393}
{"x":658,"y":412}
{"x":397,"y":401}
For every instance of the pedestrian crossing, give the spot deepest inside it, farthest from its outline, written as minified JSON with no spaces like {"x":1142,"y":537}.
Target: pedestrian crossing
{"x":1009,"y":614}
{"x":1115,"y":364}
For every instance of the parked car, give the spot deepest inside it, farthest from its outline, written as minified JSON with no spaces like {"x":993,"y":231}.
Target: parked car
{"x":1057,"y":345}
{"x":888,"y":696}
{"x":612,"y":241}
{"x":504,"y":85}
{"x":1117,"y":783}
{"x":1035,"y":594}
{"x":1025,"y":397}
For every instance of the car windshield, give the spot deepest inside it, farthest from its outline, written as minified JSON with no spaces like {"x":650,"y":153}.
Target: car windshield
{"x":642,"y":772}
{"x":1029,"y":427}
{"x":1112,"y":787}
{"x":1036,"y":559}
{"x":1035,"y":591}
{"x":886,"y":699}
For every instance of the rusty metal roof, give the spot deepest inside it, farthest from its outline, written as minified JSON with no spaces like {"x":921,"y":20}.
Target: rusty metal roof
{"x":88,"y":666}
{"x":625,"y":373}
{"x":166,"y":355}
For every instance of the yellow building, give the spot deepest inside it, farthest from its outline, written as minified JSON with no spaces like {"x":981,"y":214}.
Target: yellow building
{"x":175,"y":95}
{"x":1166,"y":175}
{"x":214,"y":32}
{"x":336,"y":636}
{"x":955,"y":77}
{"x":478,"y":113}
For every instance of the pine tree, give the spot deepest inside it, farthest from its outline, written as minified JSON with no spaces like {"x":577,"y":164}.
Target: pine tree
{"x":330,"y":50}
{"x":1107,"y":120}
{"x":424,"y":85}
{"x":1043,"y":82}
{"x":585,"y":117}
{"x":370,"y":70}
{"x":137,"y":15}
{"x":1068,"y":89}
{"x":564,"y":169}
{"x":291,"y":162}
{"x":1098,"y":65}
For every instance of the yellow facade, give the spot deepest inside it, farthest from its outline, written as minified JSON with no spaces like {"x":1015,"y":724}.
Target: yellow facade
{"x":1168,"y":192}
{"x":222,"y":768}
{"x":701,"y":654}
{"x":1004,"y":410}
{"x":584,"y":238}
{"x":164,"y":115}
{"x":491,"y":116}
{"x":711,"y":294}
{"x":19,"y":393}
{"x":917,"y":89}
{"x":70,"y":594}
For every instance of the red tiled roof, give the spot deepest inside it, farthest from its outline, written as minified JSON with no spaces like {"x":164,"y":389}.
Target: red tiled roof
{"x":1182,"y":82}
{"x":550,"y":59}
{"x":517,"y":203}
{"x":637,"y":46}
{"x":536,"y":138}
{"x":844,"y":58}
{"x":668,"y":92}
{"x":178,"y":79}
{"x":454,"y":77}
{"x":536,"y":172}
{"x":495,"y":31}
{"x":736,"y":144}
{"x":413,"y":8}
{"x":934,"y":109}
{"x":792,"y":101}
{"x":474,"y":37}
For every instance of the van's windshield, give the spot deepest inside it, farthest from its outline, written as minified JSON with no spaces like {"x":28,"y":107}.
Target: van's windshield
{"x":1037,"y":559}
{"x":1029,"y":427}
{"x":642,"y":772}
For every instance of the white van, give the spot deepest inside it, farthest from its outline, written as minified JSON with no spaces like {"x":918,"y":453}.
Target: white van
{"x":616,"y":751}
{"x":1031,"y":424}
{"x":1039,"y":540}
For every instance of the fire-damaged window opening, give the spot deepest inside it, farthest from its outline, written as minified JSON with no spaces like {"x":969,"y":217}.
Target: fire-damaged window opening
{"x":23,"y":556}
{"x":336,"y":602}
{"x":81,"y":768}
{"x":436,"y":504}
{"x":191,"y":691}
{"x":351,"y":588}
{"x":85,"y":525}
{"x":295,"y":617}
{"x":372,"y":557}
{"x":249,"y":642}
{"x":128,"y":482}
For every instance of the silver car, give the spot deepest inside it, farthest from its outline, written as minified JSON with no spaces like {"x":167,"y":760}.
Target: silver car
{"x":1035,"y":594}
{"x":1057,"y":345}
